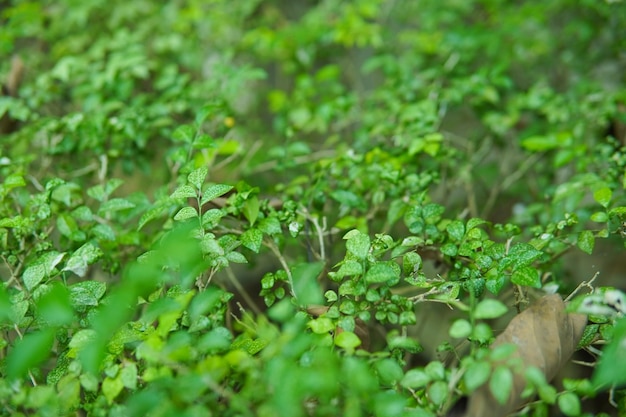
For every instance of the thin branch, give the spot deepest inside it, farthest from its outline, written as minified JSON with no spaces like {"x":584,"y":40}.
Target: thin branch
{"x":244,"y":294}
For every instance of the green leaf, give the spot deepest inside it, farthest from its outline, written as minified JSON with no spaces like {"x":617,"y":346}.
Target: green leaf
{"x":321,"y":325}
{"x":55,"y":307}
{"x":586,"y":241}
{"x":236,"y":257}
{"x":111,"y":388}
{"x":250,"y":209}
{"x":501,"y":383}
{"x":306,"y":286}
{"x":252,"y":239}
{"x":42,"y":267}
{"x":461,"y":328}
{"x":603,"y":196}
{"x":184,"y":133}
{"x":150,"y":215}
{"x":456,"y":230}
{"x":610,"y":370}
{"x":214,"y":191}
{"x":569,"y":404}
{"x":599,"y":217}
{"x":128,"y":375}
{"x":449,"y":249}
{"x":270,"y":226}
{"x":186,"y":213}
{"x":184,"y":191}
{"x":489,"y":309}
{"x":477,"y":374}
{"x":438,"y":392}
{"x":87,"y":293}
{"x":381,"y":272}
{"x":415,"y":379}
{"x":197,"y":177}
{"x":358,"y":244}
{"x":29,"y":352}
{"x":389,"y":371}
{"x":115,"y":204}
{"x":82,"y":258}
{"x":527,"y":276}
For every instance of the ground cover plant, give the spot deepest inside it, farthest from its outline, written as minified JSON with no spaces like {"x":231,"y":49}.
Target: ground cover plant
{"x":315,"y":208}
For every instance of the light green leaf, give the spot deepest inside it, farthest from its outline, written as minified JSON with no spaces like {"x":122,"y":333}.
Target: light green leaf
{"x":569,"y":404}
{"x":306,"y":286}
{"x":150,"y":215}
{"x":476,"y":375}
{"x":82,"y":258}
{"x":358,"y":244}
{"x":184,"y":133}
{"x":128,"y":375}
{"x":252,"y":239}
{"x":456,"y":230}
{"x":251,"y":209}
{"x":236,"y":257}
{"x":186,"y":213}
{"x":197,"y":177}
{"x":115,"y":204}
{"x":438,"y":392}
{"x":527,"y":276}
{"x":347,"y":340}
{"x":380,"y":273}
{"x":29,"y":352}
{"x":603,"y":196}
{"x":214,"y":191}
{"x":501,"y":383}
{"x":489,"y":309}
{"x":184,"y":191}
{"x":111,"y":388}
{"x":415,"y":379}
{"x":461,"y":328}
{"x":87,"y":293}
{"x":586,"y":241}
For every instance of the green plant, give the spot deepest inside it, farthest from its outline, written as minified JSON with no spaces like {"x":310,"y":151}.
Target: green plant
{"x":257,"y":207}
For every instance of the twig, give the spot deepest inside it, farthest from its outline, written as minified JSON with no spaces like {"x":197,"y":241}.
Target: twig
{"x":272,"y":246}
{"x":244,"y":294}
{"x":583,"y":284}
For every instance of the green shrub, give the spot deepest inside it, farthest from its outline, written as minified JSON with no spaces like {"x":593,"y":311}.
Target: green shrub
{"x":216,"y":208}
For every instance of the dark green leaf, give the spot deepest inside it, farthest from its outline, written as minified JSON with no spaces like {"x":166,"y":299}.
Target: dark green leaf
{"x":527,"y":276}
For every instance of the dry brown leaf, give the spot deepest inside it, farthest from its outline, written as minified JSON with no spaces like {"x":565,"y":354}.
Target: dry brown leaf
{"x":546,"y":336}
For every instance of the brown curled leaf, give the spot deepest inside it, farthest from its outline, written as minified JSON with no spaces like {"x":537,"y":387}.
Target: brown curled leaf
{"x":546,"y":337}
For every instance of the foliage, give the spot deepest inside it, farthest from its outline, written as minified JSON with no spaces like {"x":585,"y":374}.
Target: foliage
{"x":252,"y":207}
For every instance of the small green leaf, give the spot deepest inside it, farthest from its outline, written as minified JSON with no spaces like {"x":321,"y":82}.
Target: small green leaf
{"x":381,"y":272}
{"x":250,"y":209}
{"x":184,"y":191}
{"x":599,"y":217}
{"x":489,"y":309}
{"x":82,"y":258}
{"x":415,"y":379}
{"x":150,"y":215}
{"x":603,"y":196}
{"x":569,"y":404}
{"x":236,"y":257}
{"x":115,"y":204}
{"x":87,"y":293}
{"x":476,"y":375}
{"x":461,"y":328}
{"x":586,"y":241}
{"x":321,"y":325}
{"x":214,"y":191}
{"x":54,"y":307}
{"x":306,"y":286}
{"x":608,"y":373}
{"x":186,"y":213}
{"x":270,"y":226}
{"x":456,"y":230}
{"x":358,"y":244}
{"x":449,"y":249}
{"x":128,"y":375}
{"x":252,"y":239}
{"x":527,"y":276}
{"x":501,"y":383}
{"x":197,"y":177}
{"x":29,"y":352}
{"x":111,"y":388}
{"x":42,"y":267}
{"x":389,"y":371}
{"x":438,"y":392}
{"x":184,"y":133}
